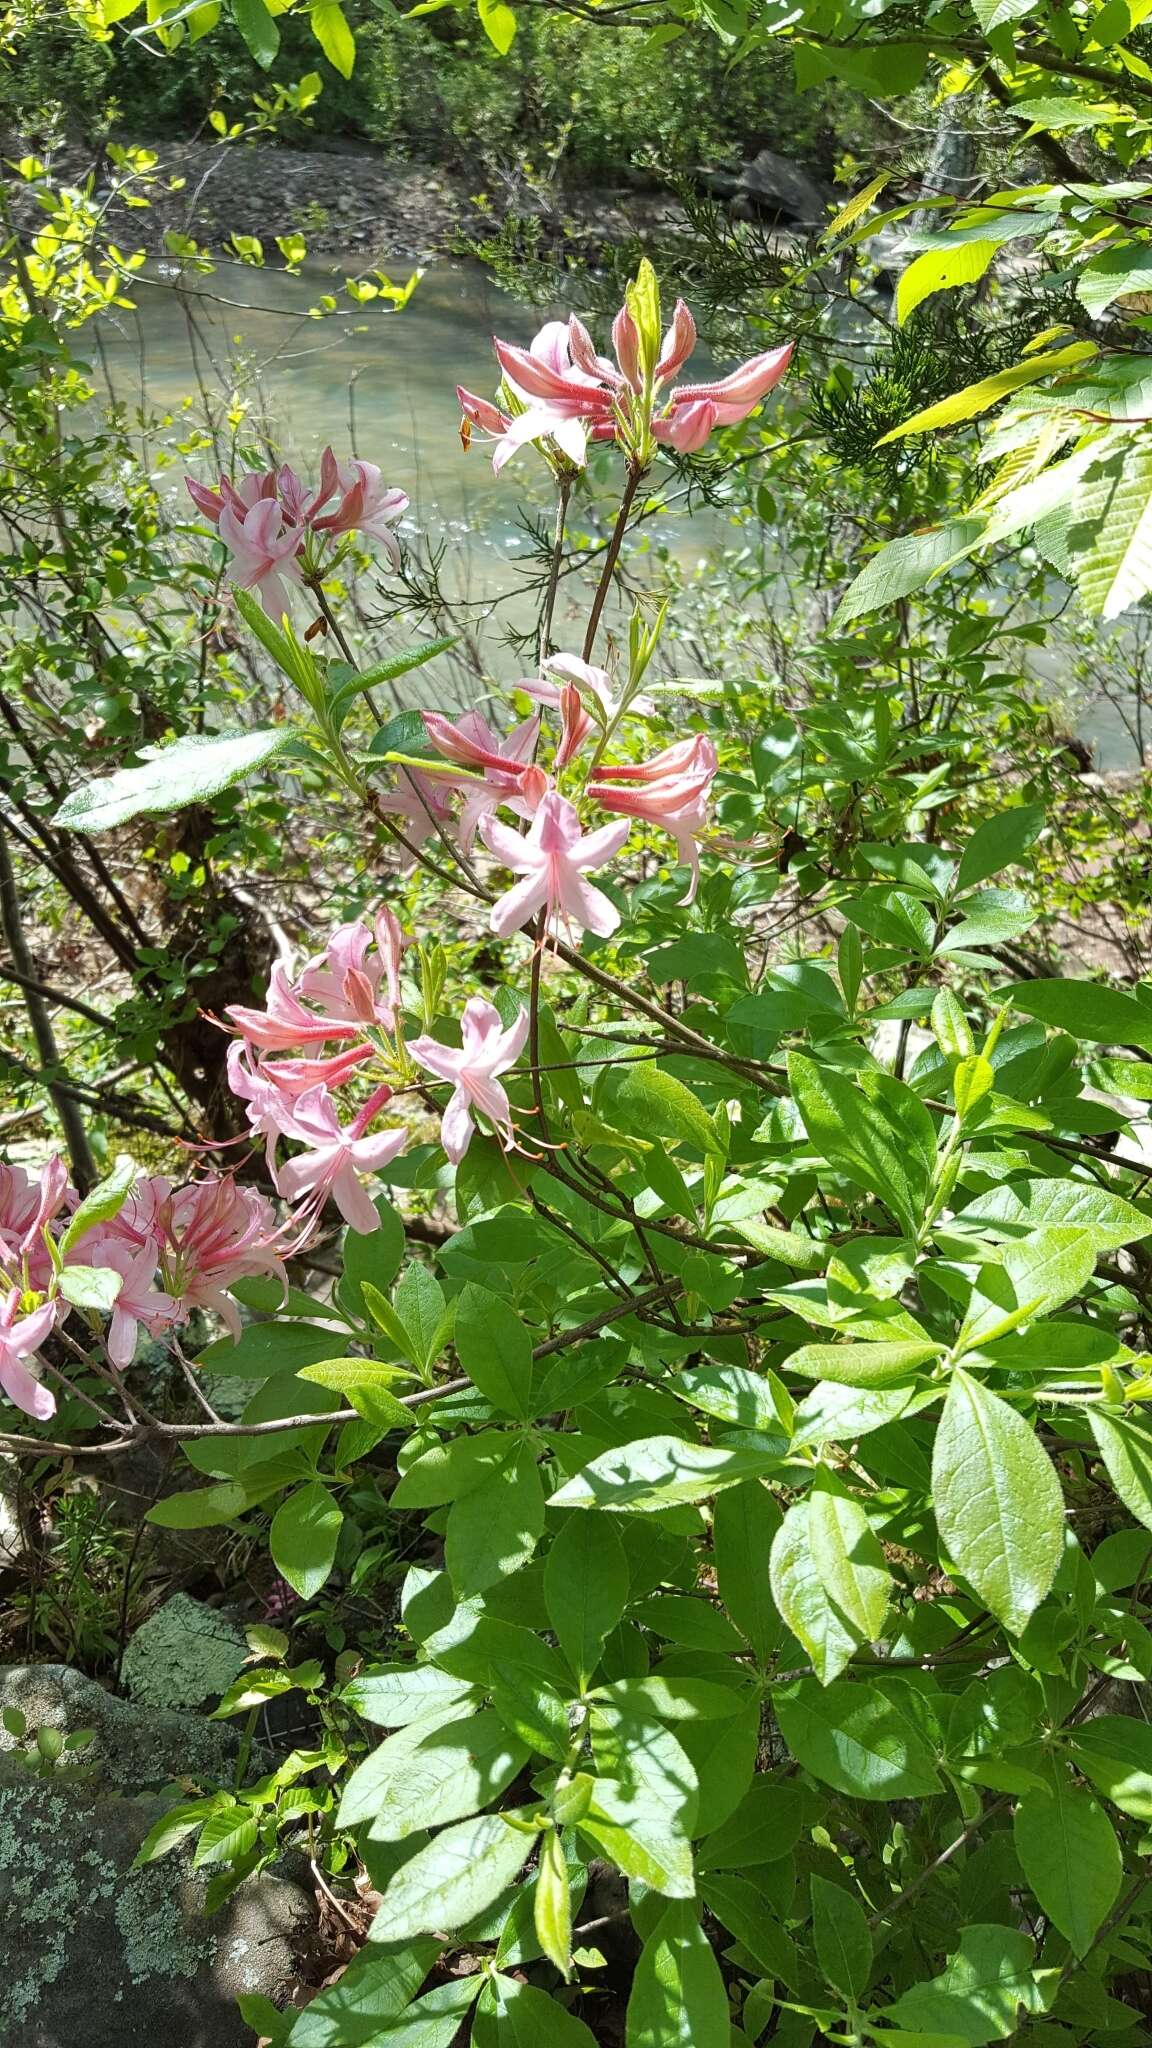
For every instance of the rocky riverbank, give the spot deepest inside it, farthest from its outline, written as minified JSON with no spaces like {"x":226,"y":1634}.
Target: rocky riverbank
{"x":347,"y":200}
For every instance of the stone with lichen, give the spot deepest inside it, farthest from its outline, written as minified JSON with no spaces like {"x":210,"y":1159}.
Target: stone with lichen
{"x":182,"y":1655}
{"x":96,"y":1952}
{"x":133,"y":1747}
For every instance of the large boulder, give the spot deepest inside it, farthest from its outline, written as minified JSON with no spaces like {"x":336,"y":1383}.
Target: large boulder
{"x":771,"y":187}
{"x":97,"y":1954}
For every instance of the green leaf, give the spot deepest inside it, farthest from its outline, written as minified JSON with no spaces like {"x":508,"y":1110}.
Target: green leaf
{"x":1112,"y":516}
{"x":205,"y":1507}
{"x":765,"y":1827}
{"x":1127,"y":268}
{"x":552,"y":1908}
{"x":586,"y":1583}
{"x":651,"y":1103}
{"x":366,"y":1386}
{"x":880,"y":1135}
{"x":863,"y":1365}
{"x":174,"y":1827}
{"x":941,"y":270}
{"x":805,"y":1601}
{"x":790,"y":1247}
{"x":460,"y":1873}
{"x":525,"y":2016}
{"x":857,"y":1738}
{"x":905,"y":565}
{"x":495,"y":1350}
{"x":103,"y":1203}
{"x":495,"y":1528}
{"x":376,"y":1258}
{"x":1035,"y":1275}
{"x":1019,"y":1207}
{"x":659,"y":1472}
{"x":977,"y":398}
{"x":997,"y":1499}
{"x":498,"y":21}
{"x":194,"y":769}
{"x":744,"y":1524}
{"x":678,"y":1998}
{"x":744,"y":1905}
{"x":1115,"y":1752}
{"x":374,"y":1990}
{"x":91,"y":1287}
{"x":999,"y":843}
{"x":258,"y":29}
{"x":267,"y":1350}
{"x":848,"y":1557}
{"x":1070,"y":1856}
{"x":227,"y":1835}
{"x":1086,"y":1009}
{"x":452,"y":1773}
{"x":977,"y":1997}
{"x":841,"y":1938}
{"x":303,"y":1538}
{"x":331,"y":30}
{"x":418,"y":1303}
{"x":1126,"y":1448}
{"x":394,"y":1695}
{"x":645,"y":1799}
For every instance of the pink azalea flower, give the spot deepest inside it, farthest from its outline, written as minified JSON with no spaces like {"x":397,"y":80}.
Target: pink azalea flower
{"x":284,"y":1024}
{"x":671,"y":790}
{"x":263,"y":552}
{"x":366,"y":505}
{"x":139,"y":1303}
{"x":335,"y":1158}
{"x":488,"y":1049}
{"x":553,"y":859}
{"x":421,"y":803}
{"x":205,"y":1235}
{"x":27,"y":1207}
{"x":569,"y":395}
{"x":345,"y":981}
{"x":241,"y":496}
{"x":567,"y":683}
{"x":20,"y":1338}
{"x":568,"y":388}
{"x":511,"y":778}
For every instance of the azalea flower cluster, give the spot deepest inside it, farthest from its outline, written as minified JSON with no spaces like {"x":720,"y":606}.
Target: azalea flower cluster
{"x":497,"y":773}
{"x":561,"y":391}
{"x":276,"y":531}
{"x":166,"y":1251}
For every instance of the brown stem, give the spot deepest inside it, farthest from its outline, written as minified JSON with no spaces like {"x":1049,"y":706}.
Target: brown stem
{"x":610,"y":560}
{"x":549,"y":604}
{"x":71,"y":1122}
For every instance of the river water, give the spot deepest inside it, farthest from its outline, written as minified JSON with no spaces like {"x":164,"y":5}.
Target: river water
{"x":382,"y":383}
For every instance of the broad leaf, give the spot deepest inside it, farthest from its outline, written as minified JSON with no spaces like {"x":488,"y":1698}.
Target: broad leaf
{"x":1070,"y":1856}
{"x":460,"y":1873}
{"x":841,"y":1938}
{"x":303,"y":1538}
{"x":495,"y":1350}
{"x":997,"y":1499}
{"x":658,"y":1472}
{"x":191,"y":771}
{"x":678,"y":1998}
{"x":805,"y":1601}
{"x":977,"y":1997}
{"x":1115,"y":1752}
{"x":857,"y":1738}
{"x":585,"y":1588}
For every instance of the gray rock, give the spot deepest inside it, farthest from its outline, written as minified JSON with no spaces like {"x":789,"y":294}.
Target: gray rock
{"x":773,"y":185}
{"x":96,"y":1954}
{"x":135,"y":1747}
{"x":182,"y":1655}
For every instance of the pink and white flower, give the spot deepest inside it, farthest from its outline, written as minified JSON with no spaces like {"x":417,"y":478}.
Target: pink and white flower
{"x":20,"y":1339}
{"x":671,"y":790}
{"x":335,"y":1157}
{"x":264,"y":551}
{"x":488,"y":1048}
{"x":553,"y":859}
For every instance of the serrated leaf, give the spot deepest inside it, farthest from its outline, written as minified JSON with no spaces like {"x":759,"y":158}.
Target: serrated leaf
{"x":227,"y":1835}
{"x":905,"y":565}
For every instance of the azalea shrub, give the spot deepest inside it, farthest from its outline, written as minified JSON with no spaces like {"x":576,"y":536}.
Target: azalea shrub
{"x":765,"y":1429}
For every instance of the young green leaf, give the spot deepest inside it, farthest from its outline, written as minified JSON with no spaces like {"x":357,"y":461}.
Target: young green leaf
{"x":495,"y":1528}
{"x":860,"y":1739}
{"x":552,"y":1905}
{"x":848,"y":1557}
{"x":659,"y":1472}
{"x":1125,"y":1445}
{"x":1115,"y":1752}
{"x":366,"y":1386}
{"x":805,"y":1601}
{"x":744,"y":1524}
